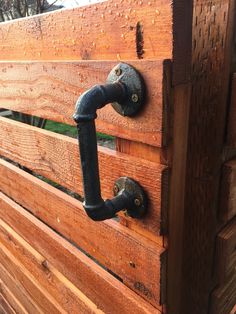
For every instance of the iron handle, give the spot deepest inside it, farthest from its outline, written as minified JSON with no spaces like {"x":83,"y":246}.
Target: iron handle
{"x":125,"y":90}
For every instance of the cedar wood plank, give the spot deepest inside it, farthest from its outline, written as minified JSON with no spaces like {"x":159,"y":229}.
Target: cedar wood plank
{"x":227,"y":208}
{"x":19,"y":292}
{"x":51,"y":89}
{"x":226,"y":252}
{"x":57,"y":158}
{"x":97,"y":284}
{"x":10,"y":297}
{"x":66,"y":215}
{"x":5,"y":307}
{"x":20,"y":255}
{"x":105,"y":31}
{"x":231,"y":136}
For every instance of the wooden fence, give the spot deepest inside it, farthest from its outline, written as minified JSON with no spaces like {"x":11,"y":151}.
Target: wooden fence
{"x":54,"y":259}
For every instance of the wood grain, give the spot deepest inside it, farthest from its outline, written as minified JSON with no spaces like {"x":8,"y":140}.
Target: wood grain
{"x":51,"y":89}
{"x":56,"y":157}
{"x":103,"y":289}
{"x":227,"y":209}
{"x":133,"y":258}
{"x":226,"y":252}
{"x":224,"y":297}
{"x":231,"y":136}
{"x":106,"y":31}
{"x":5,"y":307}
{"x":19,"y":292}
{"x":194,"y":193}
{"x":10,"y":297}
{"x":60,"y":288}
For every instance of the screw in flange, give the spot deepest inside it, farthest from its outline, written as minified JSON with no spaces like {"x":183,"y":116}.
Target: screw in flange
{"x":135,"y":98}
{"x":116,"y":189}
{"x":137,"y":202}
{"x":118,"y":71}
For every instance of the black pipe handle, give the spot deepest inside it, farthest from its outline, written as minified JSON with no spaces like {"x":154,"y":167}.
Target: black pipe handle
{"x":129,"y":194}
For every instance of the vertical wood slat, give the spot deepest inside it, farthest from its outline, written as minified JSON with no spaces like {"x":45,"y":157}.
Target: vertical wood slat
{"x":193,"y":228}
{"x":227,"y":208}
{"x":231,"y":132}
{"x":226,"y":253}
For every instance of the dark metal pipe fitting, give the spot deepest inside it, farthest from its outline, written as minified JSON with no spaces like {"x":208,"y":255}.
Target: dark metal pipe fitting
{"x":128,"y":194}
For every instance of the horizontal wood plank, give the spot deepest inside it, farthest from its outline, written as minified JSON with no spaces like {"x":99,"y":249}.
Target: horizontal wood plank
{"x":231,"y":136}
{"x":19,"y":292}
{"x":106,"y":31}
{"x":25,"y":257}
{"x":57,"y":158}
{"x":102,"y":288}
{"x":5,"y":307}
{"x":226,"y":251}
{"x":10,"y":297}
{"x":51,"y":89}
{"x":227,"y":209}
{"x":133,"y":258}
{"x":224,"y":297}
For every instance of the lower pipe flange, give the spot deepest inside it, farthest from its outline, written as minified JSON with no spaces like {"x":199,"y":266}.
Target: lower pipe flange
{"x":138,"y":206}
{"x":134,"y":83}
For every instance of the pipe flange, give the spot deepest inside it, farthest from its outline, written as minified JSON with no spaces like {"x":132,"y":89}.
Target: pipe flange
{"x":134,"y":83}
{"x":138,"y":207}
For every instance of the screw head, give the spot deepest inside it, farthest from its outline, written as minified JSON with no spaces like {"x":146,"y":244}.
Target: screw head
{"x":116,"y":189}
{"x":137,"y":202}
{"x":118,"y":71}
{"x":131,"y":264}
{"x":134,"y":98}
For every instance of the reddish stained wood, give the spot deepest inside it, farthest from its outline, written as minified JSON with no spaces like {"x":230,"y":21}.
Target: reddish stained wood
{"x":106,"y":31}
{"x":194,"y":193}
{"x":226,"y":252}
{"x":231,"y":136}
{"x":19,"y":292}
{"x":38,"y":294}
{"x":224,"y":297}
{"x":10,"y":297}
{"x":227,"y":209}
{"x":103,"y":289}
{"x":133,"y":258}
{"x":5,"y":307}
{"x":19,"y":254}
{"x":57,"y":158}
{"x":54,"y":87}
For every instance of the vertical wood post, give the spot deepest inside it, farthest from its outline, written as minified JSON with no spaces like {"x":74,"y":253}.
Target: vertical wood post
{"x":200,"y":83}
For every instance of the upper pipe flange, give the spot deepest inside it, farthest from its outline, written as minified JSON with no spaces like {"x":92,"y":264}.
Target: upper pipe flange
{"x":134,"y":83}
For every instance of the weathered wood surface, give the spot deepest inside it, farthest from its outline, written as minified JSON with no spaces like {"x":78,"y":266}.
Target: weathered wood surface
{"x":227,"y":209}
{"x":231,"y":136}
{"x":57,"y":158}
{"x":133,"y":258}
{"x":18,"y":258}
{"x":19,"y":292}
{"x":97,"y":284}
{"x":224,"y":298}
{"x":10,"y":297}
{"x":226,"y":252}
{"x":110,"y":30}
{"x":195,"y":191}
{"x":51,"y":89}
{"x":5,"y":307}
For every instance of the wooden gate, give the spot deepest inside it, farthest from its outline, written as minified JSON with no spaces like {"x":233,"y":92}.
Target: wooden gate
{"x":54,"y":259}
